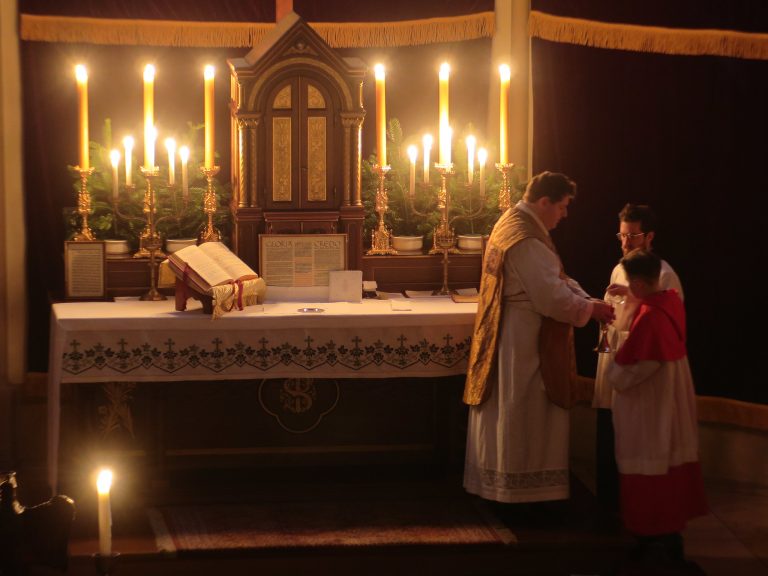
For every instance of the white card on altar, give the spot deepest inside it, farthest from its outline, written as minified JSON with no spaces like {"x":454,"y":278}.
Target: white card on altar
{"x":345,"y":285}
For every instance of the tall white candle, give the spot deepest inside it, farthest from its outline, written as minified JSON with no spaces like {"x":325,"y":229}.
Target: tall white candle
{"x":381,"y":114}
{"x":103,"y":485}
{"x":427,"y":143}
{"x":81,"y":75}
{"x":413,"y":153}
{"x":149,"y":116}
{"x":471,"y":143}
{"x":114,"y":158}
{"x":444,"y":138}
{"x":184,"y":156}
{"x":208,"y":75}
{"x":128,"y":145}
{"x":170,"y":146}
{"x":504,"y":74}
{"x":482,"y":158}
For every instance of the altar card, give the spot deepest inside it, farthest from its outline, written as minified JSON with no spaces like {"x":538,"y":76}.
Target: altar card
{"x":301,"y":259}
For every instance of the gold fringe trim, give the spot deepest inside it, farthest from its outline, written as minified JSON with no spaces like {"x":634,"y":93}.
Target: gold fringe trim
{"x":682,"y":41}
{"x":242,"y":34}
{"x":732,"y":412}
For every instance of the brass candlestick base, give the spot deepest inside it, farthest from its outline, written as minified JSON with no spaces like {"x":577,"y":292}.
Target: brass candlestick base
{"x":211,"y":233}
{"x":381,"y":238}
{"x":506,"y":185}
{"x":84,"y":206}
{"x":153,"y":242}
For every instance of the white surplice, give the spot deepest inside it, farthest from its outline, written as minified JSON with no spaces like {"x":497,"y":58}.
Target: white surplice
{"x":619,"y":329}
{"x":517,"y":440}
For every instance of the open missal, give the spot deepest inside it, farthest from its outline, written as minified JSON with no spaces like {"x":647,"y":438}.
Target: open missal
{"x":213,"y":271}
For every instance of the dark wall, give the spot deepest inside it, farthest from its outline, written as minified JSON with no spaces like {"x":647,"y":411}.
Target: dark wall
{"x":687,"y":135}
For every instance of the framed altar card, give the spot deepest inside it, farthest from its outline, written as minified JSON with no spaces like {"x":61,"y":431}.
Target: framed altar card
{"x":301,"y":259}
{"x":85,"y":270}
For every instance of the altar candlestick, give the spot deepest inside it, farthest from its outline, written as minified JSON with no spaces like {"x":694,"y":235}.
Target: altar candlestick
{"x":170,"y":146}
{"x":114,"y":158}
{"x":413,"y":153}
{"x":149,"y":116}
{"x":427,"y":143}
{"x":208,"y":75}
{"x":184,"y":156}
{"x":482,"y":157}
{"x":444,"y":138}
{"x":471,"y":143}
{"x":504,"y":74}
{"x":128,"y":145}
{"x":381,"y":114}
{"x":103,"y":485}
{"x":81,"y":75}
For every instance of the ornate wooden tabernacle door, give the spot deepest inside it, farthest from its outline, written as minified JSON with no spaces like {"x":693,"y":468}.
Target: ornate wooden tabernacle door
{"x":296,"y":109}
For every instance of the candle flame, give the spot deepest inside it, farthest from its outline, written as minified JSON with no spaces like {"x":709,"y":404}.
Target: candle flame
{"x":184,"y":154}
{"x":114,"y":158}
{"x":378,"y":71}
{"x":413,"y":153}
{"x":170,"y":145}
{"x":445,"y":71}
{"x":482,"y":156}
{"x":427,"y":141}
{"x":81,"y":74}
{"x":471,"y":142}
{"x":209,"y":72}
{"x":505,"y":72}
{"x":149,"y":73}
{"x":128,"y":142}
{"x":104,"y":481}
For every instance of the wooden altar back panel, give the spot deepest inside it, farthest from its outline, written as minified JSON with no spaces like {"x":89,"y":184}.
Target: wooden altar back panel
{"x":296,"y":119}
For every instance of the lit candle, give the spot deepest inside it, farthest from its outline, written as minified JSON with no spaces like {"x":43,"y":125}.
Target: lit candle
{"x":103,"y":485}
{"x":128,"y":145}
{"x":184,"y":156}
{"x":381,"y":114}
{"x":208,"y":74}
{"x":427,"y":142}
{"x":505,"y":74}
{"x":81,"y":75}
{"x":444,"y":138}
{"x":482,"y":157}
{"x":149,"y":115}
{"x":413,"y":153}
{"x":471,"y":143}
{"x":170,"y":146}
{"x":114,"y":158}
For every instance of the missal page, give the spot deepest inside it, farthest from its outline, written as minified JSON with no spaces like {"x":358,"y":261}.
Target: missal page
{"x":228,"y":260}
{"x":301,"y":259}
{"x":205,"y":266}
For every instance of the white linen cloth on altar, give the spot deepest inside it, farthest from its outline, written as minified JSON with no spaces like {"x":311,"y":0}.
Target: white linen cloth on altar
{"x":517,"y":440}
{"x":133,"y":341}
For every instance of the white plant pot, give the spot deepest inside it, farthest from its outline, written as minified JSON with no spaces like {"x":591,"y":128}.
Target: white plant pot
{"x":470,"y":241}
{"x":174,"y":244}
{"x":117,"y":247}
{"x":407,"y":243}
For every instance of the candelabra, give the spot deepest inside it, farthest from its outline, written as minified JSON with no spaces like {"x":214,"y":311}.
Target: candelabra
{"x":150,"y":240}
{"x":506,"y":184}
{"x":381,"y":237}
{"x":84,"y":205}
{"x":444,"y":236}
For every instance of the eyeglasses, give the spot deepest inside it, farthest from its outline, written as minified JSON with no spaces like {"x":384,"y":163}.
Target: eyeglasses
{"x":620,"y":236}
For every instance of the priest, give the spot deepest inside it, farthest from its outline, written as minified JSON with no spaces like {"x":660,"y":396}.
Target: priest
{"x":521,"y":363}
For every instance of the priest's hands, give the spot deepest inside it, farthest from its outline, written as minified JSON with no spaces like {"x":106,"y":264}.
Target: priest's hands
{"x":602,"y":312}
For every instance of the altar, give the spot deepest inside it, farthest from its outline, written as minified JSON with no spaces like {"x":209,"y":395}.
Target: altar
{"x":132,"y":341}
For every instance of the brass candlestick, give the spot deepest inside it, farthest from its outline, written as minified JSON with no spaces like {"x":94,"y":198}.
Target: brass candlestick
{"x":153,"y":243}
{"x":211,"y":233}
{"x":381,"y":238}
{"x":84,"y":205}
{"x":506,"y":185}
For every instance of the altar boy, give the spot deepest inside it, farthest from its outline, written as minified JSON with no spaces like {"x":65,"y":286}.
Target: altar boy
{"x":654,"y":416}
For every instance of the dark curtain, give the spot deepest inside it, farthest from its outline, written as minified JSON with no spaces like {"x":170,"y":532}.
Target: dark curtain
{"x":687,"y":135}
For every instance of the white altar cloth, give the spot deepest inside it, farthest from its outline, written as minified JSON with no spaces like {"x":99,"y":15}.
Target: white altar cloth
{"x":133,"y":341}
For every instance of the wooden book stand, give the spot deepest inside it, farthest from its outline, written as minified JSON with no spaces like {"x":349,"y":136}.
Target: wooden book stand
{"x":184,"y":291}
